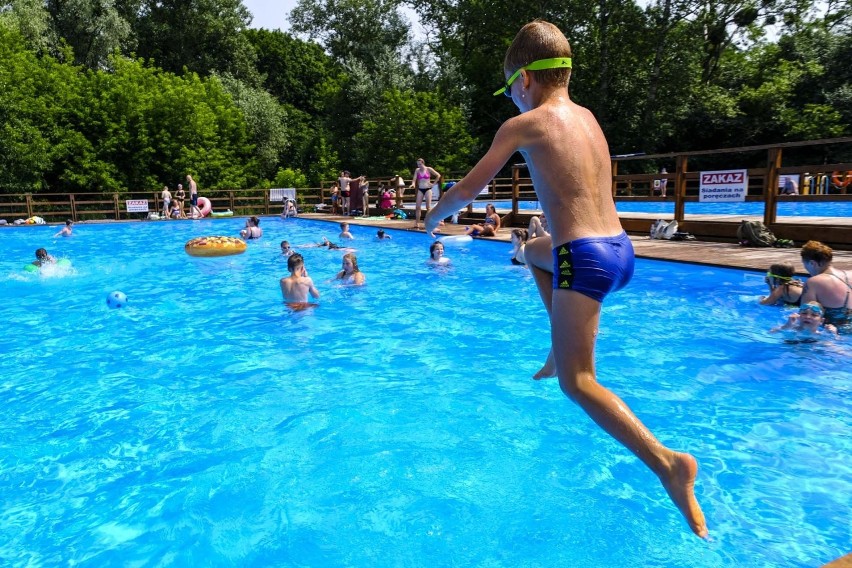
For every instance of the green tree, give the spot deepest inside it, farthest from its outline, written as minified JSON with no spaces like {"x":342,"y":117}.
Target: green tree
{"x":37,"y":102}
{"x":266,"y":122}
{"x":202,"y":36}
{"x":409,"y":125}
{"x":93,"y":28}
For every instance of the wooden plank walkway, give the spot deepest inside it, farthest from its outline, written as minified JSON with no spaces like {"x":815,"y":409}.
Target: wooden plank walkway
{"x":694,"y":252}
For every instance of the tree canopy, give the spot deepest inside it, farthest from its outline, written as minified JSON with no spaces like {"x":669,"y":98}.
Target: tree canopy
{"x":104,"y":95}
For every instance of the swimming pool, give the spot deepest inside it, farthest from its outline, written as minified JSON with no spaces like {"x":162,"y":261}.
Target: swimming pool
{"x":396,"y":424}
{"x":785,"y":209}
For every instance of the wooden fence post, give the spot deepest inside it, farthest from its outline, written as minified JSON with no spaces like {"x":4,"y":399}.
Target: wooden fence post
{"x":516,"y":191}
{"x":117,"y":210}
{"x":231,"y":199}
{"x":614,"y":167}
{"x":680,"y":188}
{"x":770,"y":183}
{"x":73,"y":208}
{"x":29,"y":205}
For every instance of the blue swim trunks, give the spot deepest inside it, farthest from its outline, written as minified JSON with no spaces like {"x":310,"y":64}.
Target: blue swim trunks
{"x":594,"y":266}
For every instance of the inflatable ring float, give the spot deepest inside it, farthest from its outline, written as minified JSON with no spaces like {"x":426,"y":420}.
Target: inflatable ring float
{"x":455,"y":239}
{"x":214,"y":246}
{"x":846,"y":178}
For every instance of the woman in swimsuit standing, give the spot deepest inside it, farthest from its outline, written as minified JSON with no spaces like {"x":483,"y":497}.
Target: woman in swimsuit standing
{"x":827,"y":285}
{"x":423,"y":182}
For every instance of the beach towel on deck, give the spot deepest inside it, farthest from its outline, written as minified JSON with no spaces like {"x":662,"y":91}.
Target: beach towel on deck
{"x":280,"y":194}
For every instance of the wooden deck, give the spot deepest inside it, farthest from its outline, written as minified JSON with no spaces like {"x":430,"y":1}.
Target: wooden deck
{"x":694,"y":252}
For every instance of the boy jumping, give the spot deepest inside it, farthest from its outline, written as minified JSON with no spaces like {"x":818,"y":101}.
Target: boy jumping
{"x":587,"y":254}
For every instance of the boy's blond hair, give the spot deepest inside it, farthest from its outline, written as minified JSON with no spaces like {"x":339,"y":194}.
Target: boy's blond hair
{"x":539,"y":40}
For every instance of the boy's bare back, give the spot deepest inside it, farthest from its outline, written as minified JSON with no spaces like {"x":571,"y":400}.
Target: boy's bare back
{"x":295,"y":289}
{"x":568,"y":159}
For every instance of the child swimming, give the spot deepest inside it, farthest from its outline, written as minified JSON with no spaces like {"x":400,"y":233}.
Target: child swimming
{"x":588,"y":254}
{"x":296,"y":287}
{"x":807,"y":323}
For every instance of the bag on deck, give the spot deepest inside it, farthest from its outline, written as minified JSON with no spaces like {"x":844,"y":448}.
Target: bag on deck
{"x":662,"y":229}
{"x":755,"y":234}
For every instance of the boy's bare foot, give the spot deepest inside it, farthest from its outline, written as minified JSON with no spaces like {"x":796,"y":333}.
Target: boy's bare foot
{"x":549,"y":368}
{"x":679,"y":482}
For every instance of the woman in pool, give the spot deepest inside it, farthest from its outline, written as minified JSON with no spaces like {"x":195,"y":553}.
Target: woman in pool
{"x":350,"y":273}
{"x":436,"y":254}
{"x":252,"y":230}
{"x":519,"y":243}
{"x":422,"y":181}
{"x":808,"y":322}
{"x":827,"y":285}
{"x":782,"y":286}
{"x":489,"y":227}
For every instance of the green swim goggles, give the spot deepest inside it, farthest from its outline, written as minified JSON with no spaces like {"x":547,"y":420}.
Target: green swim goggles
{"x":777,"y":277}
{"x":540,"y":65}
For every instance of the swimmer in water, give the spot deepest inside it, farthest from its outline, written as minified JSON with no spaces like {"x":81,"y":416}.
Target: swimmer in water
{"x":296,"y":287}
{"x":43,"y":258}
{"x":286,"y":250}
{"x":344,"y":231}
{"x":66,"y":230}
{"x":808,"y":323}
{"x":350,"y":273}
{"x":436,"y":254}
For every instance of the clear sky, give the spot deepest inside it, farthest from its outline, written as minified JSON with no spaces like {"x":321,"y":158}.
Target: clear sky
{"x":270,"y":14}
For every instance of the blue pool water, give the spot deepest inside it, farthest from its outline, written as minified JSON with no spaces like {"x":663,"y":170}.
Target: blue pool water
{"x":785,"y":209}
{"x":396,"y":424}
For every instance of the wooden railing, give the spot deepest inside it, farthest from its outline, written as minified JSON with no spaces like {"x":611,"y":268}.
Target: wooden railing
{"x":631,"y":181}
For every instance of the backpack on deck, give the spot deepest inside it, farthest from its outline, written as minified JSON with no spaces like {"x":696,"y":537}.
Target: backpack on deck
{"x":755,"y":234}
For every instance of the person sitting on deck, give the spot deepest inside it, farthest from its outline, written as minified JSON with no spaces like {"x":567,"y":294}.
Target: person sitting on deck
{"x":489,"y":227}
{"x":782,"y":286}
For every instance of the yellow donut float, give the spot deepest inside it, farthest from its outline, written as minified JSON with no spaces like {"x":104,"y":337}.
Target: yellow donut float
{"x":214,"y":246}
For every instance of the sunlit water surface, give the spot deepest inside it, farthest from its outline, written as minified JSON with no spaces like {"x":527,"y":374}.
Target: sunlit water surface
{"x":396,"y":424}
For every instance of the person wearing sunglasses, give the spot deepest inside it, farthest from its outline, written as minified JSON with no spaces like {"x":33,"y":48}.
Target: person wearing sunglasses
{"x":587,"y":255}
{"x":783,"y":288}
{"x":808,"y":323}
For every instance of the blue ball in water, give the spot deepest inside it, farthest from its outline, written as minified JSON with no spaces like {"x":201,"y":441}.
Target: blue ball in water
{"x":116,"y":299}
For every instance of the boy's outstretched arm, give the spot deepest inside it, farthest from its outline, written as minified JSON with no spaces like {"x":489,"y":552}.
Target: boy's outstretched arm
{"x":465,"y":191}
